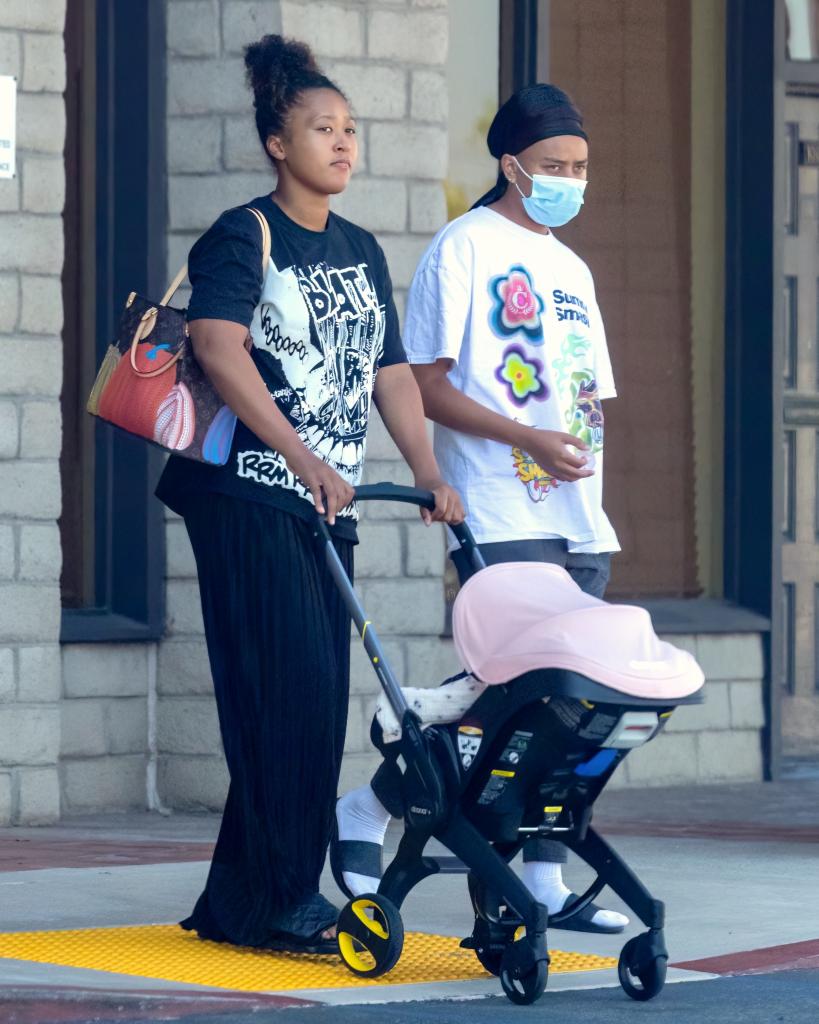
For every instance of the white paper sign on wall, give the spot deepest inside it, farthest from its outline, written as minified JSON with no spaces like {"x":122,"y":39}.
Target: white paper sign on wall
{"x":8,"y":126}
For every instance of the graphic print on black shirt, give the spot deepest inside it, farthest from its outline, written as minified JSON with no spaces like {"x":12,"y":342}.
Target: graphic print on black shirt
{"x":317,"y":344}
{"x":322,"y":322}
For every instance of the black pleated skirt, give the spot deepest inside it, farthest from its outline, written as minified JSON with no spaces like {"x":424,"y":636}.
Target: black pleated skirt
{"x":278,"y":639}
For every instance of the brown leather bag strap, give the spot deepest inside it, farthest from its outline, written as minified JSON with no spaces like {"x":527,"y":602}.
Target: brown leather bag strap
{"x":142,"y":328}
{"x":266,"y":241}
{"x":176,"y":284}
{"x":174,"y":287}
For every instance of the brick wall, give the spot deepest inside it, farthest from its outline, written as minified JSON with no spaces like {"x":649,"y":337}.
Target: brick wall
{"x":31,"y":259}
{"x":389,"y":58}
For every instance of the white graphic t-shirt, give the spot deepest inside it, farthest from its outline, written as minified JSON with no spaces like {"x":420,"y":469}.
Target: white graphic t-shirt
{"x":516,"y":312}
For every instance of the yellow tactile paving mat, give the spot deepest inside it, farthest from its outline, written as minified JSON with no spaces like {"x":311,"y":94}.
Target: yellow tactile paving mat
{"x":167,"y":952}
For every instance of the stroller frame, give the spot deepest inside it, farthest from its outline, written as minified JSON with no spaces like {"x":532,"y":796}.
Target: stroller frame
{"x":502,"y":903}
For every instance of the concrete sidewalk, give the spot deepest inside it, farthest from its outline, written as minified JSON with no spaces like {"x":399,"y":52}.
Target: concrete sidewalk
{"x":738,"y":867}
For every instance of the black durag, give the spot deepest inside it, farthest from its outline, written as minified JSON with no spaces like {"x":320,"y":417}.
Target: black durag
{"x":530,"y":115}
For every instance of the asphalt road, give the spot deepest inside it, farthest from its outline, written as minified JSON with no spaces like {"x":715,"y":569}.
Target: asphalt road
{"x":785,"y":997}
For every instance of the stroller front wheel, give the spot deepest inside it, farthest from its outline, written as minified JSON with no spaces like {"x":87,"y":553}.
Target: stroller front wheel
{"x":524,"y":988}
{"x":524,"y":968}
{"x":642,"y":977}
{"x":370,"y":935}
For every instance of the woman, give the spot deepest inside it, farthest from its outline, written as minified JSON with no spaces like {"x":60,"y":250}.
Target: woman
{"x":508,"y":348}
{"x":296,"y":350}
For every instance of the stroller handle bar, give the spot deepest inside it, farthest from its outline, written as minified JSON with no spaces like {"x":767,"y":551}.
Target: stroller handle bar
{"x":386,"y":491}
{"x":369,"y":636}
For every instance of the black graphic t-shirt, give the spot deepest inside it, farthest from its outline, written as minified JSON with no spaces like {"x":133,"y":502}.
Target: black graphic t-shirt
{"x":322,"y":322}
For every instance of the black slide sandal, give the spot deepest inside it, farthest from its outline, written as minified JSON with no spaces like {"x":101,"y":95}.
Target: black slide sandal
{"x":582,"y":920}
{"x":299,"y":929}
{"x":314,"y":944}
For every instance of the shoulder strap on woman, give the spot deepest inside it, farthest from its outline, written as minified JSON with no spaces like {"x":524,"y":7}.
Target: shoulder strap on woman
{"x":175,"y":285}
{"x":260,"y":217}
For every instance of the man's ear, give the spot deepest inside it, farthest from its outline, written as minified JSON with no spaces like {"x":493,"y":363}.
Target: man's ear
{"x":509,"y":167}
{"x":274,"y":147}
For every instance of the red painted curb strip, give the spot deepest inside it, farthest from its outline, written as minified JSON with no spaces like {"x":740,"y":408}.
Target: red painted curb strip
{"x":737,"y":831}
{"x":67,"y":1004}
{"x":38,"y":854}
{"x":790,"y":957}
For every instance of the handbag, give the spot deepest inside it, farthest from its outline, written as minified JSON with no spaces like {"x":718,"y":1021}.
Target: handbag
{"x":150,"y":384}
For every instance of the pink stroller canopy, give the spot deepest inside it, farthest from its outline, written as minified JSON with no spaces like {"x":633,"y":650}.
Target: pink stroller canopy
{"x":518,"y":616}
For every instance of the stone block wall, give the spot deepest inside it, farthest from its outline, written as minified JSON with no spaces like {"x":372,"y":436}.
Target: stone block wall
{"x":718,"y":741}
{"x":31,"y":260}
{"x":105,"y":736}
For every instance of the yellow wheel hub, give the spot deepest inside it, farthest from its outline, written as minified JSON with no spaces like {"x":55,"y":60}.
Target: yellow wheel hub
{"x":370,"y":935}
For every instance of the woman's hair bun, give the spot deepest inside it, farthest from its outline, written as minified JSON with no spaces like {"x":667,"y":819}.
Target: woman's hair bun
{"x":273,"y":63}
{"x":278,"y":70}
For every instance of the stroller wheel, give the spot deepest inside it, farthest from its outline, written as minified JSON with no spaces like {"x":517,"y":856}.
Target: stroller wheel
{"x":524,"y":968}
{"x":642,"y":978}
{"x":370,"y":935}
{"x":525,"y":988}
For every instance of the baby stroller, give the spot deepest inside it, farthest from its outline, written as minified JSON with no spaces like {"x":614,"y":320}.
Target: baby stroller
{"x":581,"y":684}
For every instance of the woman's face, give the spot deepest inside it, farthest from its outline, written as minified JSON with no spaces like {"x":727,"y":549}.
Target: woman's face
{"x":318,"y":146}
{"x":564,"y":156}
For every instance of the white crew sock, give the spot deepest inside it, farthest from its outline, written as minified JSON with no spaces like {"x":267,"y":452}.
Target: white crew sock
{"x":361,"y":816}
{"x":544,"y":880}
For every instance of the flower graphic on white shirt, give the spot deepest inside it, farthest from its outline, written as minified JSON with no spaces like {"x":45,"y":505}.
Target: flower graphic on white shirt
{"x":522,"y":375}
{"x":517,"y":307}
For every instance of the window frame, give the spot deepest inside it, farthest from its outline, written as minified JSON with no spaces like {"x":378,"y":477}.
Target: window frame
{"x":524,"y":44}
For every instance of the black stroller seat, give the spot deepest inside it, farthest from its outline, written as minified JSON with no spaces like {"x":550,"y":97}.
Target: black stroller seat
{"x":529,"y":757}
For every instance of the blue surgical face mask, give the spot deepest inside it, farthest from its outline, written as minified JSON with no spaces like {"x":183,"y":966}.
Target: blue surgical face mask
{"x":554,"y":201}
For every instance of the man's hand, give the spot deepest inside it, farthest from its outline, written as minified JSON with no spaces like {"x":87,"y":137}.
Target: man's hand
{"x":448,"y":505}
{"x":549,"y":449}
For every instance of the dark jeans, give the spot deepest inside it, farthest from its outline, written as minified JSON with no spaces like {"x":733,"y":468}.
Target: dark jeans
{"x":591,"y":573}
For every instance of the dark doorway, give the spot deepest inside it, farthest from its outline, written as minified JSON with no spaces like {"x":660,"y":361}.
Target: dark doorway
{"x":112,"y":529}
